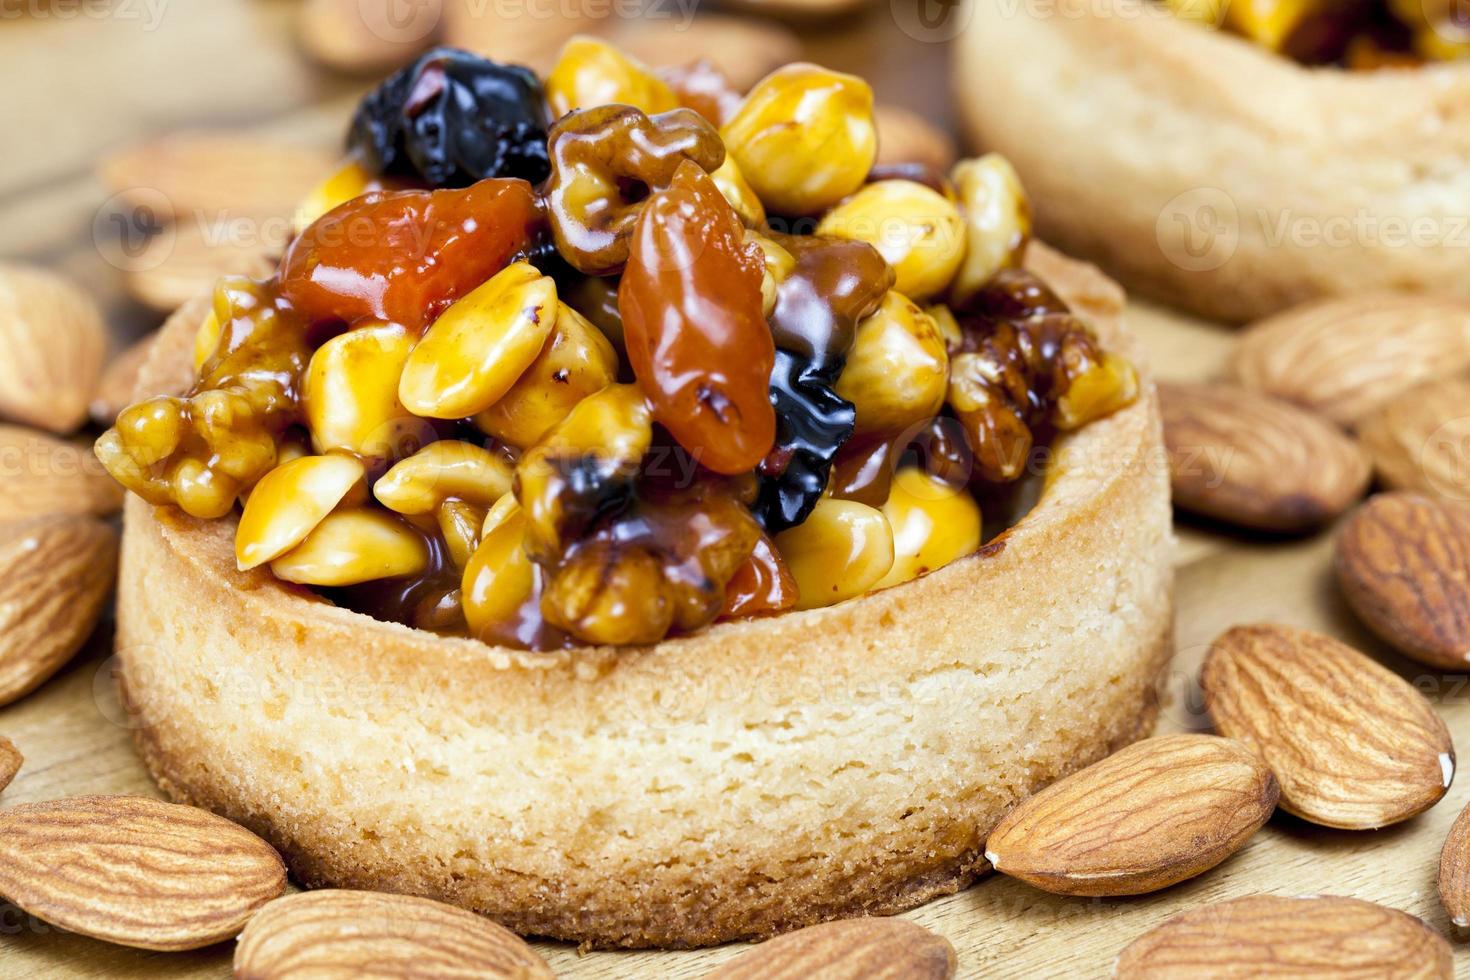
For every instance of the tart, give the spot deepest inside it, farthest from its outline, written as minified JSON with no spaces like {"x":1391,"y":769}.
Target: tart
{"x":1218,"y":174}
{"x":489,"y":654}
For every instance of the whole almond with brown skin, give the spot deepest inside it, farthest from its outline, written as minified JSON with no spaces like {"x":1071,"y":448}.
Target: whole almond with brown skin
{"x":496,"y":31}
{"x":55,"y":576}
{"x":115,"y":391}
{"x":1403,"y":561}
{"x":1454,"y":871}
{"x":203,"y":175}
{"x":136,"y":871}
{"x":907,"y":137}
{"x":746,"y":50}
{"x":1270,"y":936}
{"x":10,"y":761}
{"x":1249,"y":459}
{"x":1158,"y":812}
{"x":1352,"y":744}
{"x":1420,"y":440}
{"x":41,"y":475}
{"x":1346,"y":356}
{"x":368,"y":36}
{"x":874,"y":949}
{"x":52,"y":342}
{"x":371,"y":934}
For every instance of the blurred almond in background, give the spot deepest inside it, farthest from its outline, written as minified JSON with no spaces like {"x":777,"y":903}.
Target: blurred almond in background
{"x":369,"y":37}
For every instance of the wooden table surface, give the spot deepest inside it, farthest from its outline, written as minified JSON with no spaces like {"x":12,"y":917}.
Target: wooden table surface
{"x":77,"y":86}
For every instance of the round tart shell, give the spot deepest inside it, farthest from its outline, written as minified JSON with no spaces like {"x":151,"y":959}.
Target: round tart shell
{"x":1210,"y":173}
{"x":753,"y":778}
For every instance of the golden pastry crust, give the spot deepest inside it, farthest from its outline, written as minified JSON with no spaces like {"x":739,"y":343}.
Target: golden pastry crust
{"x":750,"y":779}
{"x":1210,"y":173}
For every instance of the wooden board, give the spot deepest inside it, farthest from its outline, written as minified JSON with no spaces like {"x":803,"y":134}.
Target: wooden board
{"x":239,"y":64}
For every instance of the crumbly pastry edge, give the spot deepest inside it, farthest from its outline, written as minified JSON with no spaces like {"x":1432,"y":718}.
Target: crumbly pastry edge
{"x":751,"y":779}
{"x":1211,"y":174}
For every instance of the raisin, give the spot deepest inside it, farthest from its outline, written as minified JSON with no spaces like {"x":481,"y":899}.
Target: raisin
{"x":696,"y":337}
{"x":452,"y":118}
{"x":762,"y":585}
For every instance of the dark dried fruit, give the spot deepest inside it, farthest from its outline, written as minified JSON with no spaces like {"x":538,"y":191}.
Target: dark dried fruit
{"x":834,"y":284}
{"x":812,"y":423}
{"x":405,"y":256}
{"x":452,"y":118}
{"x":692,"y":322}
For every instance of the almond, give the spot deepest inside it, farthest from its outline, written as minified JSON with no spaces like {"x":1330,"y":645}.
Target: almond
{"x":55,"y":577}
{"x":214,"y":176}
{"x":1353,"y":744}
{"x":1403,"y":561}
{"x":1420,"y":440}
{"x":1270,"y":936}
{"x":1346,"y":356}
{"x":188,"y":258}
{"x":10,"y":761}
{"x":115,"y":391}
{"x":136,"y":871}
{"x":354,"y":933}
{"x":1454,"y":871}
{"x":799,"y":10}
{"x":368,"y":38}
{"x":877,"y":948}
{"x":52,"y":342}
{"x":1158,"y":812}
{"x":745,"y":50}
{"x":41,"y":475}
{"x":907,"y":137}
{"x":1250,"y":459}
{"x":532,"y":39}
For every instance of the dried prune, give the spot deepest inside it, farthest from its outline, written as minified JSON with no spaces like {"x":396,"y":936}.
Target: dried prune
{"x":833,"y":285}
{"x":452,"y":118}
{"x":812,"y":424}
